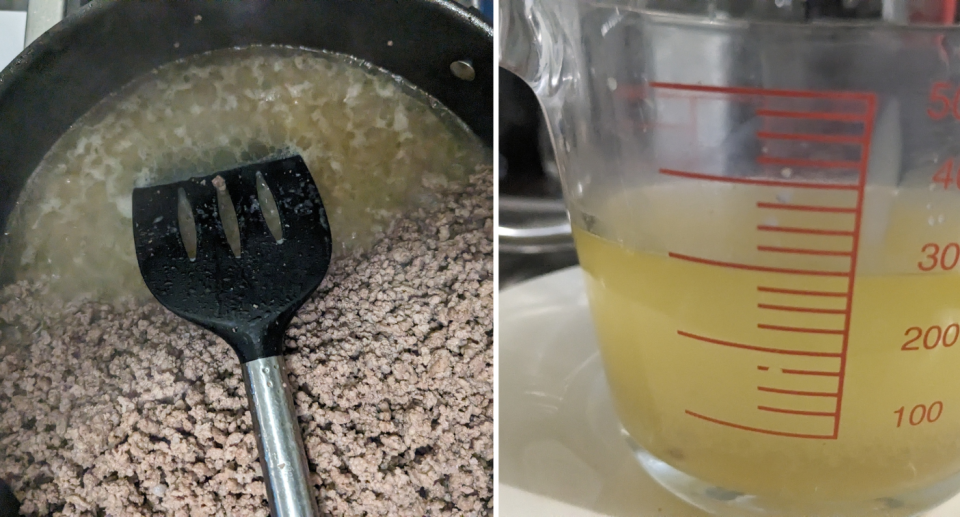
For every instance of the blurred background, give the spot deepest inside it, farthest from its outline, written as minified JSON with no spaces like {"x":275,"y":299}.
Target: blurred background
{"x":534,"y":233}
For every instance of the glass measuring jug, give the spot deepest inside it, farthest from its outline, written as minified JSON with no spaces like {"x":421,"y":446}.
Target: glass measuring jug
{"x":767,"y":210}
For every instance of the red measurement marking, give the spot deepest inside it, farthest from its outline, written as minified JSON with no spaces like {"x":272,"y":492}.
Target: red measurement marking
{"x":852,"y":116}
{"x":803,"y":251}
{"x":800,"y":309}
{"x":795,"y":392}
{"x":800,"y":292}
{"x":949,"y":13}
{"x":813,"y":115}
{"x":807,"y":208}
{"x":799,"y":162}
{"x":763,"y":92}
{"x":805,"y":231}
{"x":825,"y":139}
{"x":795,"y":412}
{"x":758,"y":430}
{"x":802,"y":330}
{"x":763,"y":368}
{"x":755,"y":181}
{"x":631,"y":92}
{"x":756,"y":348}
{"x":858,"y":218}
{"x":811,"y":372}
{"x":750,"y":267}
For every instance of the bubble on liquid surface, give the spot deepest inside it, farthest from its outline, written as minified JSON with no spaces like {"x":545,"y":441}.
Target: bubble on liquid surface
{"x":721,"y":494}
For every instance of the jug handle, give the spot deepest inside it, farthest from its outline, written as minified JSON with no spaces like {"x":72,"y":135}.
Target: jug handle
{"x":530,"y":43}
{"x":532,"y":46}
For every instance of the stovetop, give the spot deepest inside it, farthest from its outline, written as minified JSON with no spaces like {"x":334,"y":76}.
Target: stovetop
{"x":13,"y":27}
{"x":22,"y":21}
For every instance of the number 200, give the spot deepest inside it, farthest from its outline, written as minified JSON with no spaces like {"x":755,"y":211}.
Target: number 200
{"x":932,"y":338}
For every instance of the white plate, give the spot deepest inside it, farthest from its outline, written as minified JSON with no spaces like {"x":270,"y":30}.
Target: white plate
{"x":561,"y":453}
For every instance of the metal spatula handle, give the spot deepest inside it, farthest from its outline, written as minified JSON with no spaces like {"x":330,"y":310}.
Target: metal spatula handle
{"x":282,"y":457}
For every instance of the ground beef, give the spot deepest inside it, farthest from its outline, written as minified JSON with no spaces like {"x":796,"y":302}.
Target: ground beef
{"x":124,"y":409}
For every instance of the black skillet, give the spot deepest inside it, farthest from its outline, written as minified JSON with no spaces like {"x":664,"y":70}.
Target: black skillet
{"x":439,"y":46}
{"x":109,"y":43}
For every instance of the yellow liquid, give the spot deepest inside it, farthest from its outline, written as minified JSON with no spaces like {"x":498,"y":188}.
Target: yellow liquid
{"x":372,"y":143}
{"x":666,"y":384}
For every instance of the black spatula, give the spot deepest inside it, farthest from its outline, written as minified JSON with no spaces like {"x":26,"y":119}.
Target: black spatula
{"x":209,"y":253}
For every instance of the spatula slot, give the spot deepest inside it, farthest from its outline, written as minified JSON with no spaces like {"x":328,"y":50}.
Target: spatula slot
{"x":249,"y":300}
{"x":228,"y":215}
{"x":268,"y":207}
{"x":187,"y":224}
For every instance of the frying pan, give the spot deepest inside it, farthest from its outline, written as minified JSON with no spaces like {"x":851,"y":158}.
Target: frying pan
{"x":441,"y":47}
{"x":107,"y":44}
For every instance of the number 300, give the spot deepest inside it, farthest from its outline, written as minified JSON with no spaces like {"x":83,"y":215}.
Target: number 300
{"x":936,"y":258}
